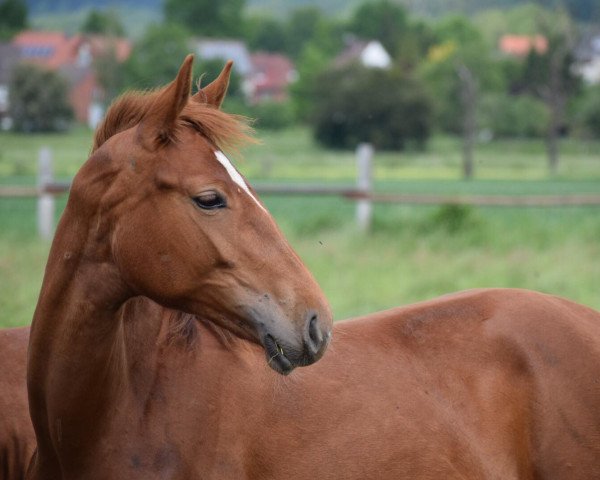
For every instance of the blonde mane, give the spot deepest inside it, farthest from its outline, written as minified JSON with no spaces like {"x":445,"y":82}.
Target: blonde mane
{"x":225,"y":130}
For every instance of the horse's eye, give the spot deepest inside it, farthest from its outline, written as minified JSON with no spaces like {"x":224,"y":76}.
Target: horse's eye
{"x":210,"y":201}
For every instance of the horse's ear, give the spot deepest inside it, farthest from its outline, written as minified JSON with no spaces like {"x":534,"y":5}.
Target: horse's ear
{"x":214,"y":93}
{"x":159,"y":123}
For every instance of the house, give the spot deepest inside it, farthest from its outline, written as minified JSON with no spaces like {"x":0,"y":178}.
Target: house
{"x":9,"y":57}
{"x":587,"y":58}
{"x":73,"y":57}
{"x":264,"y":76}
{"x":370,"y":54}
{"x":521,"y":45}
{"x":270,"y":78}
{"x":46,"y":49}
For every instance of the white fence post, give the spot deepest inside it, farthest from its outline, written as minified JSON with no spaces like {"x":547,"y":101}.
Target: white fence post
{"x":45,"y":206}
{"x":364,"y":166}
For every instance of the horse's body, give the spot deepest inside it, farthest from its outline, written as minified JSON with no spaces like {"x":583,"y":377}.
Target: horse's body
{"x":17,"y":441}
{"x":490,"y":384}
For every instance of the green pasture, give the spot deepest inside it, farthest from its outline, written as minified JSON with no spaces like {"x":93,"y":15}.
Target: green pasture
{"x":413,"y":253}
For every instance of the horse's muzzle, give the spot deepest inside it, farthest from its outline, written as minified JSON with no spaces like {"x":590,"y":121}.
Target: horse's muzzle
{"x":285,"y":355}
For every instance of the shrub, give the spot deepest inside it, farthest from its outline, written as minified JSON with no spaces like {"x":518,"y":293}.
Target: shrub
{"x":272,"y":115}
{"x":514,"y":116}
{"x":453,"y":218}
{"x":38,"y":100}
{"x":588,"y":112}
{"x":383,"y":107}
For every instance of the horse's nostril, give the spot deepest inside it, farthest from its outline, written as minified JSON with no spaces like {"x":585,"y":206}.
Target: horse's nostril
{"x":313,"y":330}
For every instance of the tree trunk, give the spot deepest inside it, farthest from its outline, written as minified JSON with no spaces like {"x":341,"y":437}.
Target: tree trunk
{"x":552,"y":140}
{"x":555,"y":99}
{"x":555,"y":95}
{"x":468,"y":95}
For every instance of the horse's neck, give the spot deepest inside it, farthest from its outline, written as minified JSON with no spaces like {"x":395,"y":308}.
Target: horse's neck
{"x":101,"y":363}
{"x":77,"y":354}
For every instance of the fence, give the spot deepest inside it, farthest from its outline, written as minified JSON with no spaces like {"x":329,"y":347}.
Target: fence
{"x":364,"y":195}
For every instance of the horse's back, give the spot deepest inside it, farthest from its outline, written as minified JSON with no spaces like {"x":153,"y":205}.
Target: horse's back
{"x":518,"y":363}
{"x":17,"y":441}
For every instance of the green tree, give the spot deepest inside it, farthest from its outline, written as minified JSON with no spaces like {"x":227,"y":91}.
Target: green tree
{"x":156,"y":58}
{"x":549,"y":75}
{"x":313,"y":55}
{"x":266,"y":33}
{"x":222,"y":18}
{"x":381,"y":20}
{"x":13,"y":17}
{"x":458,"y":69}
{"x":519,"y":20}
{"x":105,"y":23}
{"x":588,"y":112}
{"x":312,"y":63}
{"x":38,"y":100}
{"x":383,"y":107}
{"x":513,"y":116}
{"x":110,"y":74}
{"x":416,"y":41}
{"x":306,"y":28}
{"x":304,"y":24}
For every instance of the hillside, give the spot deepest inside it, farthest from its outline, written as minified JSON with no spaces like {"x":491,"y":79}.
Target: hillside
{"x":46,"y":12}
{"x":58,"y":6}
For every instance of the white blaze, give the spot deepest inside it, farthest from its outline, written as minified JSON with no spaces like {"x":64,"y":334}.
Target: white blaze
{"x":235,"y":176}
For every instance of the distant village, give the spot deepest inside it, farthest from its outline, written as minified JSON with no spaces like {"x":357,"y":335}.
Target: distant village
{"x":265,"y":76}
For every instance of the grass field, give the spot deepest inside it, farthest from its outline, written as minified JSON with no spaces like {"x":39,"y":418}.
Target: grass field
{"x":413,"y":253}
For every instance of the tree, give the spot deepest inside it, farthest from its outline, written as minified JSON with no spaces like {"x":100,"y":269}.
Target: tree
{"x":105,"y":23}
{"x":457,"y":70}
{"x":588,"y":112}
{"x":381,"y":20}
{"x":313,"y":55}
{"x":156,"y":58}
{"x":13,"y":17}
{"x":406,"y":40}
{"x":549,"y":75}
{"x":510,"y":116}
{"x":222,"y":18}
{"x":384,"y":107}
{"x":266,"y":33}
{"x":109,"y":74}
{"x":416,"y":41}
{"x":312,"y":63}
{"x":303,"y":25}
{"x":38,"y":100}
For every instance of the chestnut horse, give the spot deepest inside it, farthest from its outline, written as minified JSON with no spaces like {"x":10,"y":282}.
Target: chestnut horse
{"x":157,"y":211}
{"x":494,"y":384}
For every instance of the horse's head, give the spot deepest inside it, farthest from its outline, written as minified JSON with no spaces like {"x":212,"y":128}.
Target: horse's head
{"x":186,"y":230}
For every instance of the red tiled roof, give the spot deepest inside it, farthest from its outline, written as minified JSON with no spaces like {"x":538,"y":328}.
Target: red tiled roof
{"x":56,"y":49}
{"x":521,"y":45}
{"x":50,"y":49}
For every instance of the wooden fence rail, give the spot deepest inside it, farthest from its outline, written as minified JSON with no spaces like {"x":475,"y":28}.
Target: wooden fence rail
{"x":47,"y":188}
